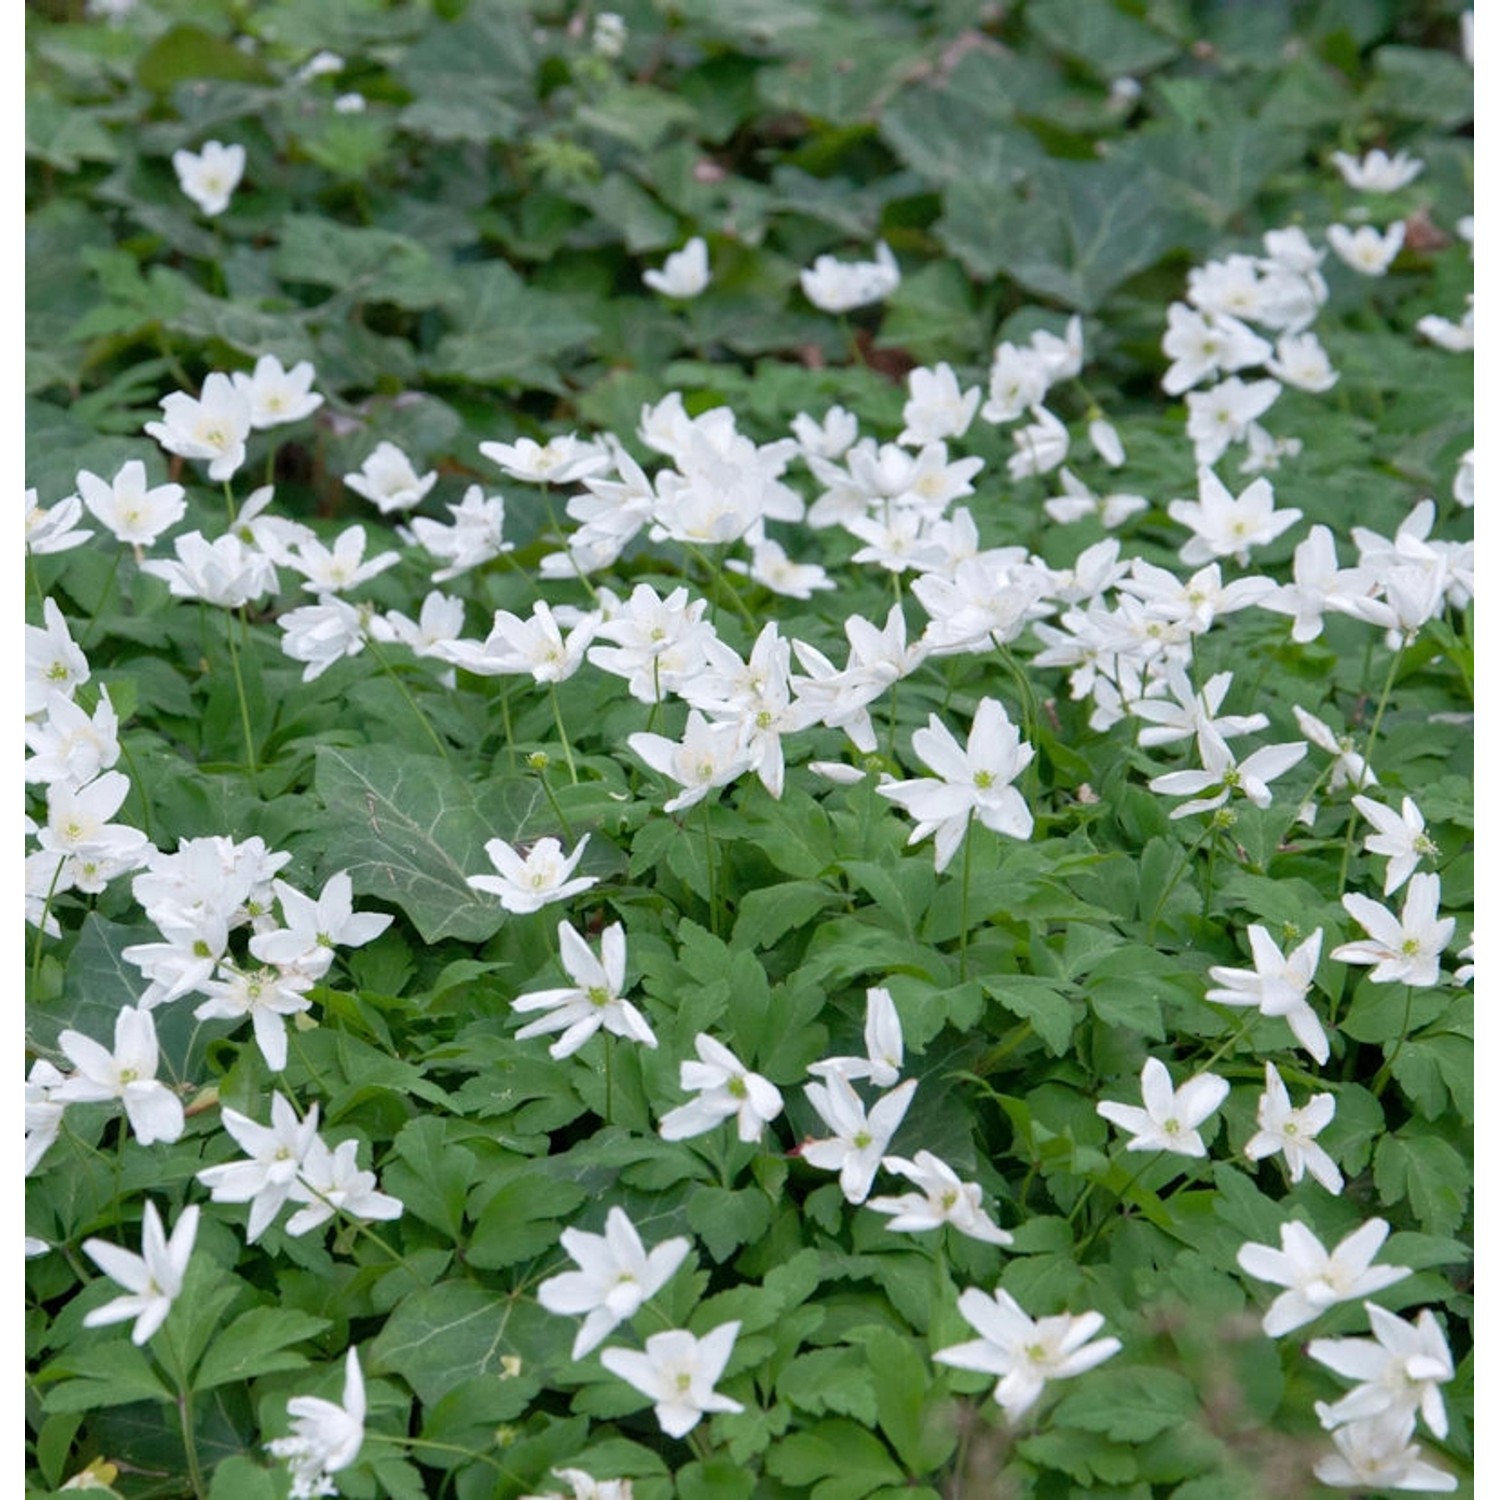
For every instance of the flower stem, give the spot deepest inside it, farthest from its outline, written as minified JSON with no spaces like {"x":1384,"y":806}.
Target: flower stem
{"x":708,"y":854}
{"x":239,"y":683}
{"x":185,"y":1416}
{"x":1177,"y":874}
{"x":963,"y":903}
{"x":109,"y":583}
{"x":229,"y":503}
{"x":1383,"y":1077}
{"x":562,"y":733}
{"x":562,"y":817}
{"x":411,"y":702}
{"x":1385,"y":697}
{"x":41,"y":927}
{"x":609,"y":1078}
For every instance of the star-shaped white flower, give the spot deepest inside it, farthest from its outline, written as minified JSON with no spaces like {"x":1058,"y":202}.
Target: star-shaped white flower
{"x":616,"y":1275}
{"x":1171,"y":1118}
{"x":1314,"y":1277}
{"x":1405,"y":951}
{"x":529,"y":884}
{"x":724,"y":1086}
{"x":151,"y":1279}
{"x":884,"y":1046}
{"x":678,"y":1372}
{"x":1226,"y":525}
{"x":275,"y":1154}
{"x":1291,"y":1131}
{"x":1378,"y":1454}
{"x":127,"y":1074}
{"x":1401,"y":837}
{"x":325,"y":1436}
{"x":942,"y":1199}
{"x":591,"y":1001}
{"x":859,"y":1140}
{"x":1277,"y":986}
{"x":1023,"y":1352}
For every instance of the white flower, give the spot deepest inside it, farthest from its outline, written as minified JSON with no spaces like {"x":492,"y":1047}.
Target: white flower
{"x":321,"y":634}
{"x":131,"y":511}
{"x":657,"y":643}
{"x":277,"y":395}
{"x":214,"y":427}
{"x":352,"y":103}
{"x":388,"y":480}
{"x":1376,"y":172}
{"x":608,"y":40}
{"x":127,"y":1074}
{"x":1192,"y":713}
{"x":562,"y":460}
{"x":1224,"y":414}
{"x":1277,"y":986}
{"x":1349,"y":767}
{"x":1405,"y":951}
{"x":831,"y":438}
{"x":1291,"y":1131}
{"x":329,"y":1182}
{"x":1315,"y":1278}
{"x":210,"y":176}
{"x":314,"y":928}
{"x":535,"y":646}
{"x":678,"y":1372}
{"x":583,"y":1485}
{"x":438,"y":626}
{"x":224,"y":572}
{"x":1078,"y":501}
{"x":319,"y":65}
{"x":70,"y":745}
{"x":1366,"y":249}
{"x":1170,"y":1120}
{"x":529,"y":884}
{"x":974,"y":781}
{"x":275,"y":1153}
{"x":884,"y":1045}
{"x":1402,"y":838}
{"x":1025,"y":1354}
{"x":1456,"y":338}
{"x":943,"y":1199}
{"x":936,"y":408}
{"x":266,"y":996}
{"x":51,"y":530}
{"x":1303,"y":362}
{"x":724,"y":1087}
{"x":1378,"y":1454}
{"x":330,"y":571}
{"x":859,"y":1140}
{"x":1226,"y":525}
{"x":616,"y":1276}
{"x":684,"y":273}
{"x":152,"y":1279}
{"x":770,"y":567}
{"x":837,"y":286}
{"x":1221,"y":775}
{"x":591,"y":1001}
{"x":325,"y":1437}
{"x":44,"y":1114}
{"x":1040,"y":447}
{"x":473,"y":539}
{"x":1399,"y":1373}
{"x":1019,"y":379}
{"x":1318,"y":583}
{"x":1204,"y":344}
{"x":709,"y":756}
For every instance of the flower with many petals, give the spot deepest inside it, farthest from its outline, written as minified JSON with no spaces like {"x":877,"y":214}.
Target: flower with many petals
{"x":593,"y":1000}
{"x":152,"y":1279}
{"x":678,"y":1372}
{"x":1290,"y":1132}
{"x":1171,"y":1118}
{"x":1316,"y":1278}
{"x":527,"y":884}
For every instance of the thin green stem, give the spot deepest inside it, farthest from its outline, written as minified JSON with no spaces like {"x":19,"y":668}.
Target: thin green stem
{"x":185,"y":1416}
{"x":1177,"y":874}
{"x":41,"y":926}
{"x":109,"y":583}
{"x":510,"y":733}
{"x":562,"y":817}
{"x":411,"y":702}
{"x":436,"y":1447}
{"x":229,"y":504}
{"x":1208,"y":877}
{"x":719,"y":584}
{"x":138,"y":786}
{"x":1383,"y":1077}
{"x":1229,"y":1046}
{"x":562,"y":732}
{"x":239,"y":683}
{"x":609,"y":1079}
{"x":708,"y":854}
{"x":36,"y":582}
{"x":963,"y":903}
{"x":271,"y":464}
{"x":1380,"y":707}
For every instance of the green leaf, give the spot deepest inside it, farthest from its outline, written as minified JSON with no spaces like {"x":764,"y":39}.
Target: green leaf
{"x":186,"y":54}
{"x":409,"y":829}
{"x":241,"y":1478}
{"x":1102,"y":34}
{"x":432,"y":1179}
{"x":1422,"y":1168}
{"x":717,"y":1479}
{"x":768,"y":913}
{"x":256,"y":1343}
{"x":1044,"y":1002}
{"x":112,"y":1374}
{"x":1129,"y":1404}
{"x":837,"y":1381}
{"x":839,"y":1460}
{"x":725,"y":1220}
{"x":523,"y":1218}
{"x":1082,"y":229}
{"x":449,"y":1333}
{"x":923,"y":1436}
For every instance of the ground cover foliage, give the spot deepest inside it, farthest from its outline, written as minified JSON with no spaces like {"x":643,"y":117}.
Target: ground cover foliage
{"x":450,"y":220}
